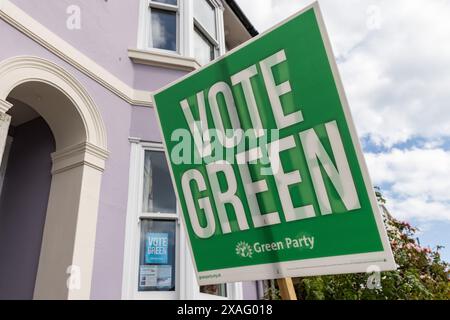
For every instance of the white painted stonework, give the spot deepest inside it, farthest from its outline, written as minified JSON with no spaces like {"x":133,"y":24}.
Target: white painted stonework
{"x":5,"y":120}
{"x":78,"y":164}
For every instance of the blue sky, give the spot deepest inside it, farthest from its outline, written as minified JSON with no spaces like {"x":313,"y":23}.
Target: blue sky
{"x":394,"y":59}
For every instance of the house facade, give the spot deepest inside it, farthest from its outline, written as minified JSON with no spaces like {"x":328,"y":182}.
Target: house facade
{"x":84,"y":185}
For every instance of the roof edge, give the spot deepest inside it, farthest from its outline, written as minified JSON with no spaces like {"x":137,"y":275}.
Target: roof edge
{"x":242,"y":17}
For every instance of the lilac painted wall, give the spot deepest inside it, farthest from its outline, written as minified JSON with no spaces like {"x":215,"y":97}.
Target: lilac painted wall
{"x":108,"y":29}
{"x":23,"y":206}
{"x":153,"y":78}
{"x":144,"y":124}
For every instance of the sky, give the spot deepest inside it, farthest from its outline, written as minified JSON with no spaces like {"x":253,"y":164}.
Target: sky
{"x":394,"y":60}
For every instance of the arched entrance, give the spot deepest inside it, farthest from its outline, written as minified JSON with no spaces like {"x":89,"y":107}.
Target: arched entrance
{"x":68,"y":238}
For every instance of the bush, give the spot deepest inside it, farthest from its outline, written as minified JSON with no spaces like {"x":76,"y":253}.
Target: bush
{"x":421,"y":274}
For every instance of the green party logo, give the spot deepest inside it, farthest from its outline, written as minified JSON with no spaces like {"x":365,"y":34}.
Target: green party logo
{"x":244,"y":250}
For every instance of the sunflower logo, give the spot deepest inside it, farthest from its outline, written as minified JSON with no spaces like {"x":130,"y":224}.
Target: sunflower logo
{"x":244,"y":250}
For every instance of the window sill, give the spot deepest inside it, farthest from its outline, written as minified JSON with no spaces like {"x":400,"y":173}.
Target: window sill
{"x":163,"y":60}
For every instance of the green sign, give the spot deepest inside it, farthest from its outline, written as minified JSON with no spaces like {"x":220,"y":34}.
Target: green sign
{"x":267,"y":165}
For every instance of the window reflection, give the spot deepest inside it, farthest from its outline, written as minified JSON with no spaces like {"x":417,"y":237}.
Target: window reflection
{"x":205,"y":14}
{"x":164,"y":29}
{"x":204,"y":50}
{"x":159,"y":195}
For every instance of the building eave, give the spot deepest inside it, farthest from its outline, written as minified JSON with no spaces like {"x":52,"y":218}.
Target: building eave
{"x":242,"y":17}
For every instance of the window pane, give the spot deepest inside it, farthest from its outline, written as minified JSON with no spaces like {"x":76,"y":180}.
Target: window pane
{"x":215,"y":289}
{"x":205,"y":13}
{"x":204,"y":50}
{"x":157,"y":255}
{"x":164,"y":29}
{"x":159,"y":195}
{"x":172,"y":2}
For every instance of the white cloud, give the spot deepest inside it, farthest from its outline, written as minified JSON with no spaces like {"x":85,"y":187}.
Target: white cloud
{"x":394,"y":57}
{"x":417,"y":182}
{"x":267,"y":13}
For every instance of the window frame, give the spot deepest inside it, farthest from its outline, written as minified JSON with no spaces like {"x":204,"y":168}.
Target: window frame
{"x":186,"y":286}
{"x":145,"y":35}
{"x":186,"y":24}
{"x":203,"y":31}
{"x":135,"y":215}
{"x":208,"y":41}
{"x":166,"y":8}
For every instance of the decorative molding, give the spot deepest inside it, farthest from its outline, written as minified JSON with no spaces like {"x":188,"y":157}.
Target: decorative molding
{"x":164,"y":60}
{"x":71,"y":219}
{"x":4,"y":106}
{"x":142,"y":99}
{"x":134,"y":140}
{"x":23,"y":22}
{"x":4,"y":157}
{"x":5,"y":121}
{"x":218,"y":3}
{"x":17,"y":70}
{"x":79,"y":155}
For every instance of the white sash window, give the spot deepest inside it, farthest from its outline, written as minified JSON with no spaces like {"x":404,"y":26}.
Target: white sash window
{"x":157,"y":262}
{"x":189,"y":28}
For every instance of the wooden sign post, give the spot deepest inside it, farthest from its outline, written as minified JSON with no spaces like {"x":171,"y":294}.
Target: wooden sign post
{"x":287,"y":290}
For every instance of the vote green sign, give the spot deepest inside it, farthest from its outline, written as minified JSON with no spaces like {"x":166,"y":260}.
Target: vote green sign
{"x":266,"y":162}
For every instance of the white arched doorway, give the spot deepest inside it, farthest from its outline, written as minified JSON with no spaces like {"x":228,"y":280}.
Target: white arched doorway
{"x":81,"y":151}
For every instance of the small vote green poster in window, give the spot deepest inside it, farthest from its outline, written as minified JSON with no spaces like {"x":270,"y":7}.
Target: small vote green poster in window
{"x":156,"y":248}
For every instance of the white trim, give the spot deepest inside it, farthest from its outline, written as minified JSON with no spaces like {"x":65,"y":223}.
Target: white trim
{"x":221,"y":31}
{"x":71,"y":218}
{"x":322,"y":266}
{"x":163,"y":6}
{"x":202,"y":29}
{"x":5,"y":140}
{"x":128,"y":284}
{"x":23,"y":22}
{"x":82,"y":154}
{"x":163,"y":59}
{"x":5,"y":121}
{"x":4,"y":161}
{"x":17,"y":70}
{"x":4,"y":106}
